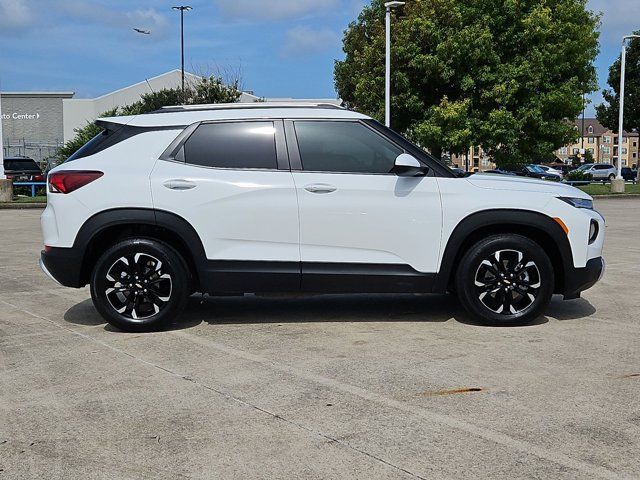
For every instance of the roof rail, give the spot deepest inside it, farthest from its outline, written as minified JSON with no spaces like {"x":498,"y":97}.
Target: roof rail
{"x":241,"y":106}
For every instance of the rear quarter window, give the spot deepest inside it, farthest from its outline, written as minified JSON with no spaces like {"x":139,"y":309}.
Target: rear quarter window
{"x":111,"y":134}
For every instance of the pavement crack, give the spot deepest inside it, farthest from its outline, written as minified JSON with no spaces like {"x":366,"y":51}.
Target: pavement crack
{"x":276,"y":416}
{"x":485,"y":433}
{"x":227,"y":395}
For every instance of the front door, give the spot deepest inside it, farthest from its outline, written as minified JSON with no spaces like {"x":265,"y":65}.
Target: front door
{"x":362,"y":228}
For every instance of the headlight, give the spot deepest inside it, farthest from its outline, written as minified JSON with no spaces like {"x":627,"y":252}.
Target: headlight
{"x":578,"y":202}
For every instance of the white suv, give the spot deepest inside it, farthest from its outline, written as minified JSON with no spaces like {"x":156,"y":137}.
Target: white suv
{"x":600,"y":171}
{"x":234,"y":199}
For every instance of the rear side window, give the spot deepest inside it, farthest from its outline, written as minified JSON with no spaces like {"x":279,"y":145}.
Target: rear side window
{"x":112,"y":134}
{"x":232,"y":145}
{"x":349,"y":147}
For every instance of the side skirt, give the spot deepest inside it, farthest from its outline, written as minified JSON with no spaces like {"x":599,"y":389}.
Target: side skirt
{"x":306,"y":277}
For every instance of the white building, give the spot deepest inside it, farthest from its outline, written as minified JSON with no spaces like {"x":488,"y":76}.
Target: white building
{"x":36,"y":124}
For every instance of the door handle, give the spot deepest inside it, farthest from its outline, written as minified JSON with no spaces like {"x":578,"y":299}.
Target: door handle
{"x":320,"y":188}
{"x":179,"y":184}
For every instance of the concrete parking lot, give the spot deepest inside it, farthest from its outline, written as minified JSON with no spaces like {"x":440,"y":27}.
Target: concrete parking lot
{"x":370,"y":387}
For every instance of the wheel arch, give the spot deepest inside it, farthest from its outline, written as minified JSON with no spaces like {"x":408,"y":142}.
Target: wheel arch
{"x":540,"y":228}
{"x":105,"y":228}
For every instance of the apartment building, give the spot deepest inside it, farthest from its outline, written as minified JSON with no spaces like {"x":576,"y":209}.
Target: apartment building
{"x":477,"y":158}
{"x":602,"y":144}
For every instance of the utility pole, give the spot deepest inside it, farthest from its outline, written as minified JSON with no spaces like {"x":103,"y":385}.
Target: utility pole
{"x":182,"y":9}
{"x":617,"y":186}
{"x":387,"y":76}
{"x":582,"y":134}
{"x":2,"y":177}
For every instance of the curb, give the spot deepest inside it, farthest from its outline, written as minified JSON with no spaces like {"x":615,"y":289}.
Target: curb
{"x":616,"y":195}
{"x":21,"y":206}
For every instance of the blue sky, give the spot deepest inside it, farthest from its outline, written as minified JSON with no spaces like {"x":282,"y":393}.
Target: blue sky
{"x":281,"y":48}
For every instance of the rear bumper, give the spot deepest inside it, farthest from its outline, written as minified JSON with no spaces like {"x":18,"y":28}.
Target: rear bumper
{"x":580,"y":279}
{"x":64,"y":265}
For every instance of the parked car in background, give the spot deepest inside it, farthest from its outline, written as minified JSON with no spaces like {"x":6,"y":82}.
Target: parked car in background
{"x":22,"y":169}
{"x":550,"y":170}
{"x":534,"y":171}
{"x":459,"y":172}
{"x":600,"y":171}
{"x":629,"y":174}
{"x":499,"y":172}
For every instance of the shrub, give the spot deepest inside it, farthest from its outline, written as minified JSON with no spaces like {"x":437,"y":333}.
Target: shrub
{"x":579,"y":176}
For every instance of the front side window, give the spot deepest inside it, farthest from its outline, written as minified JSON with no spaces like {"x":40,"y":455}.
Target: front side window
{"x":348,"y":147}
{"x":232,"y":145}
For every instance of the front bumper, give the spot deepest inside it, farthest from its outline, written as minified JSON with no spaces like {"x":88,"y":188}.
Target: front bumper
{"x":64,"y":265}
{"x":580,"y":279}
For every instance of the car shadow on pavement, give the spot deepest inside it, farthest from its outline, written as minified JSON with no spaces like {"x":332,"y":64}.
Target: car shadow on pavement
{"x":282,"y":309}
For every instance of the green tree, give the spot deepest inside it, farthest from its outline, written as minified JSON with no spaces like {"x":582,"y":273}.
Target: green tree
{"x":608,"y":112}
{"x":503,"y":74}
{"x":207,"y":90}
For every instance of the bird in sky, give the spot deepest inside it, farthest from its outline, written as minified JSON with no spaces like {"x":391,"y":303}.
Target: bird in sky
{"x":144,"y":32}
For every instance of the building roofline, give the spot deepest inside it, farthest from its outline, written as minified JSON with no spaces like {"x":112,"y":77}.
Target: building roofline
{"x":143,"y":82}
{"x":38,"y":94}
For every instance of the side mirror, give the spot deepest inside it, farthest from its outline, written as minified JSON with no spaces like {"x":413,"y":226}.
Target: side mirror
{"x":408,"y":166}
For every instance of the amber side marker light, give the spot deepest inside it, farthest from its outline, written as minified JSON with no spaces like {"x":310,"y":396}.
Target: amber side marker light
{"x":562,"y":225}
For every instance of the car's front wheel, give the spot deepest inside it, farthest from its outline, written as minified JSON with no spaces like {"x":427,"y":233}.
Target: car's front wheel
{"x":505,"y":279}
{"x":140,"y":284}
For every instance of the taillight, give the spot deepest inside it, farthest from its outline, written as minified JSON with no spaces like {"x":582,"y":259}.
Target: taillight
{"x":70,"y":180}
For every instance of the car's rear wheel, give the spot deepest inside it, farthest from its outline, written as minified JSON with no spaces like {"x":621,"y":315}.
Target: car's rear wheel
{"x":140,"y":284}
{"x":612,"y":177}
{"x":505,"y":279}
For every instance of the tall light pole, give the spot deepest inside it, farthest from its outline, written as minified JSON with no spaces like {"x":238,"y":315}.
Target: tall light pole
{"x":387,"y":77}
{"x":2,"y":177}
{"x":182,"y":9}
{"x":623,"y":61}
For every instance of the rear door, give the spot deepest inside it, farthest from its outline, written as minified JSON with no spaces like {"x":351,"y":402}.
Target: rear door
{"x":362,"y":228}
{"x":231,"y":181}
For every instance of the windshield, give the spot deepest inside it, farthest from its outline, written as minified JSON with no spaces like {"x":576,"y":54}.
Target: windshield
{"x":535,"y":168}
{"x":587,"y":166}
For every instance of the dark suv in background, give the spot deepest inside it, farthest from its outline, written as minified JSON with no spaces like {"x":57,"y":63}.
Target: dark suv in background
{"x":23,"y":169}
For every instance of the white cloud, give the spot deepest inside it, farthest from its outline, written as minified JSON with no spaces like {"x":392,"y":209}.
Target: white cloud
{"x":304,"y":41}
{"x":14,"y":14}
{"x":273,"y":9}
{"x":619,"y":17}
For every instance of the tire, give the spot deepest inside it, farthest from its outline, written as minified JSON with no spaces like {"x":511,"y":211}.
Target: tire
{"x":157,"y":298}
{"x":505,"y":280}
{"x":612,"y":177}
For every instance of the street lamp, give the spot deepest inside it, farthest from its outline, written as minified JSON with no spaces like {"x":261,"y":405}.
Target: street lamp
{"x":2,"y":177}
{"x":387,"y":78}
{"x":182,"y":9}
{"x":623,"y":61}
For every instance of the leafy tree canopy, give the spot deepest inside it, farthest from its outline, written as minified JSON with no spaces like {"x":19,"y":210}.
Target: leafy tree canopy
{"x":208,"y":90}
{"x":503,"y":74}
{"x":608,"y":112}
